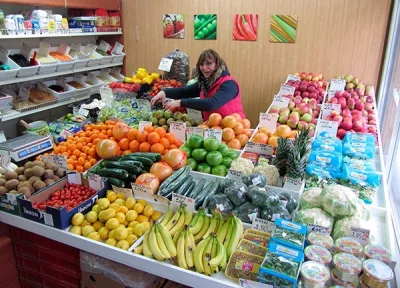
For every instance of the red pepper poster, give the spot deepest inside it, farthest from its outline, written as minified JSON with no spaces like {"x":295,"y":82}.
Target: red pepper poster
{"x":174,"y":26}
{"x":245,"y":27}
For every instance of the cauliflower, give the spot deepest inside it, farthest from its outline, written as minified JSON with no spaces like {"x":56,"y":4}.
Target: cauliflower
{"x":243,"y":165}
{"x":269,"y":171}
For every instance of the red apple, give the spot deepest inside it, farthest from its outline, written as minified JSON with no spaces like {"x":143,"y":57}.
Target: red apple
{"x":303,"y":75}
{"x":292,"y":123}
{"x":360,"y":106}
{"x":347,"y":125}
{"x":341,"y":133}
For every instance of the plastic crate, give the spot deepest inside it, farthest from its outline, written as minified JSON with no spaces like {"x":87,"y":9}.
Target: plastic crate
{"x":36,"y":279}
{"x":24,"y":71}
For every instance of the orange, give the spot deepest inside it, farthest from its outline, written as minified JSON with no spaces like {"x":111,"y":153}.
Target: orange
{"x":203,"y":126}
{"x":246,"y":123}
{"x":216,"y":127}
{"x":71,"y":147}
{"x":132,"y":134}
{"x":109,"y":133}
{"x":228,"y":134}
{"x":293,"y":134}
{"x":273,"y":141}
{"x":126,"y":152}
{"x":164,"y":142}
{"x":92,"y":152}
{"x":124,"y":143}
{"x":134,"y":146}
{"x":93,"y":161}
{"x":283,"y":131}
{"x":170,"y":137}
{"x":229,"y":121}
{"x":243,"y":139}
{"x":142,"y":136}
{"x":207,"y":123}
{"x":148,"y":128}
{"x":79,"y":168}
{"x":178,"y":142}
{"x":144,"y":147}
{"x":157,"y":148}
{"x":70,"y":161}
{"x":70,"y":167}
{"x":63,"y":149}
{"x":247,"y":132}
{"x":237,"y":117}
{"x":56,"y":150}
{"x":96,"y":140}
{"x":264,"y":130}
{"x":234,"y":144}
{"x":73,"y":157}
{"x":215,"y":119}
{"x":81,"y":161}
{"x":173,"y":146}
{"x":238,"y":129}
{"x":260,"y":138}
{"x":153,"y":138}
{"x":76,"y":152}
{"x":87,"y":165}
{"x":161,"y":131}
{"x":83,"y":155}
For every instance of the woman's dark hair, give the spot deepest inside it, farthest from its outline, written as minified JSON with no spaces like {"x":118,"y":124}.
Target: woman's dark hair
{"x":220,"y":66}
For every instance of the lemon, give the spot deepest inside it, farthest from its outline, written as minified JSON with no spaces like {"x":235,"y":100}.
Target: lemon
{"x":123,"y":244}
{"x":121,"y":225}
{"x":131,"y":239}
{"x":121,"y":217}
{"x":96,"y":208}
{"x":156,"y":215}
{"x":103,"y":231}
{"x":144,"y":202}
{"x":111,"y":241}
{"x":123,"y":209}
{"x":133,"y":224}
{"x":112,"y":223}
{"x":148,"y":211}
{"x":139,"y":229}
{"x":77,"y":219}
{"x":87,"y":230}
{"x":85,"y":223}
{"x":120,"y":202}
{"x":138,"y":207}
{"x":91,"y":217}
{"x":111,"y":196}
{"x":114,"y":206}
{"x":146,"y":225}
{"x":121,"y":196}
{"x":111,"y":234}
{"x":142,"y":218}
{"x":129,"y":229}
{"x":131,"y":215}
{"x":94,"y":236}
{"x":121,"y":233}
{"x":129,"y":202}
{"x":76,"y":230}
{"x":97,"y":225}
{"x":103,"y":203}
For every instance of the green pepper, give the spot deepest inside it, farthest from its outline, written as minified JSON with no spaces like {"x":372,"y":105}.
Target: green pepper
{"x":214,"y":23}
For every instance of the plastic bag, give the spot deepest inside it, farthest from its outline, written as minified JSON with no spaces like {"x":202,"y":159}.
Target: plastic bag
{"x":180,"y":69}
{"x":324,"y":158}
{"x":310,"y":198}
{"x":275,"y":212}
{"x":362,"y":211}
{"x":368,"y":139}
{"x":243,"y":211}
{"x":358,"y":164}
{"x":327,"y":142}
{"x":237,"y":194}
{"x":288,"y":201}
{"x":262,"y":198}
{"x":338,"y":200}
{"x":222,"y":202}
{"x":361,"y":177}
{"x":359,"y":150}
{"x":314,"y":216}
{"x":255,"y":179}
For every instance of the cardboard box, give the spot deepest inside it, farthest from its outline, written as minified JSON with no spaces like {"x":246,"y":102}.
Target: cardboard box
{"x":59,"y":217}
{"x":98,"y":280}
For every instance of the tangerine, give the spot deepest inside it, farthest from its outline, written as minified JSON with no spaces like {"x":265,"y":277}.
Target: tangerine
{"x":164,"y":142}
{"x":229,"y":122}
{"x":260,"y":138}
{"x":132,"y":134}
{"x":134,"y":146}
{"x":124,"y":143}
{"x":238,"y":129}
{"x":157,"y":148}
{"x":126,"y":152}
{"x":237,"y":117}
{"x":170,"y":137}
{"x":178,"y":142}
{"x":246,"y":123}
{"x":161,"y":131}
{"x":215,"y":119}
{"x":243,"y":138}
{"x":142,"y":136}
{"x":283,"y":131}
{"x":79,"y":168}
{"x":153,"y":137}
{"x":148,"y":128}
{"x":228,"y":134}
{"x":234,"y":144}
{"x":144,"y":147}
{"x":264,"y":130}
{"x":247,"y":132}
{"x":273,"y":141}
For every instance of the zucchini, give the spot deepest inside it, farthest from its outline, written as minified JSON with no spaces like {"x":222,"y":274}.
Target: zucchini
{"x":172,"y":178}
{"x":204,"y":191}
{"x":212,"y":192}
{"x":145,"y":161}
{"x":212,"y":189}
{"x":182,"y":189}
{"x":125,"y":165}
{"x":157,"y":156}
{"x":190,"y":189}
{"x":196,"y":190}
{"x":178,"y":181}
{"x":114,"y":173}
{"x":116,"y":182}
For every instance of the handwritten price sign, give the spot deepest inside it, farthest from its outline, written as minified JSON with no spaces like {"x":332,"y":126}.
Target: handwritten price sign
{"x":213,"y":133}
{"x":193,"y":131}
{"x":263,"y":225}
{"x":95,"y":181}
{"x":141,"y":189}
{"x":178,"y":200}
{"x":178,"y":129}
{"x":291,"y":77}
{"x":360,"y":234}
{"x":259,"y":148}
{"x":194,"y":114}
{"x":234,"y":174}
{"x":286,"y":90}
{"x":268,"y":121}
{"x":318,"y":228}
{"x":165,"y":64}
{"x":337,"y":84}
{"x":327,"y":109}
{"x":244,"y":283}
{"x":330,"y":127}
{"x":281,"y":101}
{"x":4,"y":159}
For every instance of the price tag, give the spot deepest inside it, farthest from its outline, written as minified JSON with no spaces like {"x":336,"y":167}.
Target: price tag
{"x":318,"y":228}
{"x":62,"y":81}
{"x":65,"y":133}
{"x":327,"y":109}
{"x":3,"y":54}
{"x":4,"y":159}
{"x":78,"y":77}
{"x":286,"y":90}
{"x":165,"y":64}
{"x":117,"y":49}
{"x":195,"y":114}
{"x":178,"y":129}
{"x":42,"y":86}
{"x":252,"y":284}
{"x":104,"y":46}
{"x":280,"y":101}
{"x":127,"y":192}
{"x":95,"y":181}
{"x":193,"y":131}
{"x":23,"y":94}
{"x":178,"y":200}
{"x":263,"y":225}
{"x":292,"y":184}
{"x":48,"y":218}
{"x":44,"y":48}
{"x":92,"y":78}
{"x":26,"y":51}
{"x":213,"y":133}
{"x":141,"y":189}
{"x":259,"y":148}
{"x":143,"y":104}
{"x":234,"y":174}
{"x":82,"y":111}
{"x":330,"y":127}
{"x":63,"y":48}
{"x":76,"y":47}
{"x":143,"y":124}
{"x":105,"y":72}
{"x":360,"y":234}
{"x":331,"y":94}
{"x":337,"y":84}
{"x":268,"y":121}
{"x":89,"y":49}
{"x":291,"y":77}
{"x":59,"y":160}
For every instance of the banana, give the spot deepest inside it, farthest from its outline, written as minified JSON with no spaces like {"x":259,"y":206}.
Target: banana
{"x":203,"y":230}
{"x":199,"y":224}
{"x":146,"y":248}
{"x":222,"y":266}
{"x":219,"y":254}
{"x":138,"y":250}
{"x":154,"y":248}
{"x":236,"y":234}
{"x":207,"y":256}
{"x":189,"y":248}
{"x":171,"y":223}
{"x":167,"y":217}
{"x":195,"y":218}
{"x":240,"y":225}
{"x":213,"y":226}
{"x":188,"y":216}
{"x":221,"y":234}
{"x":198,"y":254}
{"x":178,"y":225}
{"x":180,"y":256}
{"x":213,"y":249}
{"x":177,"y":235}
{"x":229,"y":235}
{"x":161,"y":243}
{"x":167,"y":240}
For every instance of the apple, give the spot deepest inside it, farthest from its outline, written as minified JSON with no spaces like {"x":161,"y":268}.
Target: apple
{"x":306,"y":117}
{"x":349,"y":86}
{"x":341,"y":133}
{"x":314,"y":121}
{"x":356,"y":97}
{"x":315,"y":78}
{"x":334,"y":100}
{"x":355,"y":81}
{"x":357,"y":126}
{"x":283,"y":119}
{"x":315,"y":113}
{"x":348,"y":78}
{"x":296,"y":74}
{"x":305,"y":94}
{"x":308,"y":78}
{"x":305,"y":99}
{"x":360,"y":106}
{"x":302,"y":125}
{"x":311,"y":126}
{"x":295,"y":115}
{"x":347,"y":119}
{"x":368,"y":107}
{"x":321,"y":84}
{"x":284,"y":110}
{"x":302,"y":75}
{"x":292,"y":105}
{"x":364,"y":113}
{"x":342,"y":102}
{"x":347,"y":125}
{"x":273,"y":110}
{"x":297,"y":93}
{"x":372,"y":122}
{"x":290,"y":82}
{"x":371,"y":117}
{"x":338,"y":94}
{"x":369,"y":90}
{"x":351,"y":103}
{"x":303,"y":87}
{"x":338,"y":119}
{"x":292,"y":122}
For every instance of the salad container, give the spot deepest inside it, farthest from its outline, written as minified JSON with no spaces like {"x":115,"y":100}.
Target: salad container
{"x":377,"y":252}
{"x":376,"y":274}
{"x":318,"y":254}
{"x":340,"y":283}
{"x":320,"y":239}
{"x":314,"y":275}
{"x":347,"y":267}
{"x":348,"y":245}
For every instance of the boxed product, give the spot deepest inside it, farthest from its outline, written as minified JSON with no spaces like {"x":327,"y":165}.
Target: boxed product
{"x":289,"y":233}
{"x":82,"y":24}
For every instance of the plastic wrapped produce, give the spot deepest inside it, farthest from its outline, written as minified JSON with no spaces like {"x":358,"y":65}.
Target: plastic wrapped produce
{"x":289,"y":202}
{"x":316,"y":173}
{"x":237,"y":193}
{"x":338,"y":200}
{"x":262,"y":198}
{"x":270,"y":172}
{"x":315,"y":216}
{"x":342,"y":226}
{"x":239,"y":263}
{"x":362,"y":211}
{"x":243,"y":211}
{"x":310,"y":198}
{"x":327,"y":142}
{"x":274,"y":212}
{"x":289,"y":233}
{"x":221,"y":202}
{"x":358,"y":164}
{"x":227,"y":182}
{"x":180,"y":70}
{"x":252,"y":248}
{"x":359,"y":138}
{"x":324,"y":158}
{"x":255,"y":179}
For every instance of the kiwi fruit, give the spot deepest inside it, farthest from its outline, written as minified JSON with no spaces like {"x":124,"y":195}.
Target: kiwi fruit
{"x":38,"y":185}
{"x":61,"y":172}
{"x":10,"y":175}
{"x":56,"y":178}
{"x":48,"y":174}
{"x":2,"y":182}
{"x":3,"y":190}
{"x":24,"y":184}
{"x":20,"y":170}
{"x":38,"y":163}
{"x":29,"y":164}
{"x":33,"y":179}
{"x":26,"y":191}
{"x":37,"y":171}
{"x":11,"y":184}
{"x":22,"y":178}
{"x":2,"y":170}
{"x":13,"y":192}
{"x":28,"y":173}
{"x":51,"y":166}
{"x":49,"y":182}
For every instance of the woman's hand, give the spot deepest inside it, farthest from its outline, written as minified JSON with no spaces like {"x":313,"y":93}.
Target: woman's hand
{"x":160,"y":96}
{"x":173,"y":105}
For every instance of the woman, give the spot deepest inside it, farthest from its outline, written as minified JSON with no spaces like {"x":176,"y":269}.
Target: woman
{"x":218,"y":91}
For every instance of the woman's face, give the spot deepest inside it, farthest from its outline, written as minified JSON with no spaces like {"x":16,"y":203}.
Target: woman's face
{"x":207,"y":67}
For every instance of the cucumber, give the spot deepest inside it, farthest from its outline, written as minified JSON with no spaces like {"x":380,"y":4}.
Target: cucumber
{"x":116,"y":182}
{"x":125,"y":165}
{"x":196,"y":190}
{"x":178,"y":181}
{"x":133,"y":162}
{"x":131,"y":177}
{"x":113,"y":172}
{"x":190,"y":189}
{"x":203,"y":193}
{"x":182,"y":189}
{"x":145,"y":161}
{"x":212,"y":192}
{"x":157,"y":156}
{"x":172,"y":178}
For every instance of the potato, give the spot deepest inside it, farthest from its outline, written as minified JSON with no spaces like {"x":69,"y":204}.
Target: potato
{"x":29,"y":164}
{"x":3,"y":190}
{"x":26,"y":191}
{"x":28,"y":173}
{"x":39,"y":163}
{"x":2,"y":182}
{"x":49,"y":182}
{"x":48,"y":174}
{"x":61,"y":172}
{"x":22,"y":178}
{"x":39,"y":185}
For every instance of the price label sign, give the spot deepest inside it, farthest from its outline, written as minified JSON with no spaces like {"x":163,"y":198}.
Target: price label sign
{"x":234,"y":174}
{"x":178,"y":200}
{"x":95,"y":181}
{"x":178,"y":129}
{"x":244,"y":283}
{"x":3,"y":54}
{"x":195,"y":114}
{"x":259,"y":148}
{"x":330,"y":127}
{"x":337,"y":84}
{"x":92,"y":79}
{"x":328,"y":108}
{"x":331,"y":94}
{"x":4,"y":159}
{"x":360,"y":234}
{"x":105,"y":71}
{"x":165,"y":64}
{"x":263,"y":225}
{"x":286,"y":90}
{"x":143,"y":124}
{"x":318,"y":228}
{"x":193,"y":131}
{"x":268,"y":121}
{"x":116,"y":71}
{"x":280,"y":101}
{"x":143,"y":104}
{"x":62,"y":81}
{"x":59,"y":160}
{"x":292,"y":184}
{"x":76,"y":46}
{"x":127,"y":192}
{"x":213,"y":133}
{"x":291,"y":77}
{"x":117,"y":49}
{"x":23,"y":94}
{"x":44,"y":48}
{"x":26,"y":51}
{"x":65,"y":133}
{"x":104,"y":46}
{"x":63,"y":48}
{"x":141,"y":189}
{"x":82,"y":111}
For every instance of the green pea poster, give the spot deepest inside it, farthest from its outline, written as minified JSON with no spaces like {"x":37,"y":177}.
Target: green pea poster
{"x":205,"y":26}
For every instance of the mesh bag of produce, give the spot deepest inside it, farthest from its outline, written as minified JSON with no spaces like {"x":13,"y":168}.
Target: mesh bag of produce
{"x":243,"y":211}
{"x":338,"y":200}
{"x":274,"y":212}
{"x":180,"y":70}
{"x":315,"y":216}
{"x":288,"y":201}
{"x":310,"y":198}
{"x":237,"y":193}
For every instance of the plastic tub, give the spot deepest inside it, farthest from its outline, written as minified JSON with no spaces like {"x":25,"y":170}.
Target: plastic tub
{"x":314,"y":275}
{"x":39,"y":128}
{"x":320,"y":239}
{"x":24,"y":71}
{"x":348,"y":245}
{"x":107,"y":79}
{"x":63,"y":65}
{"x":347,"y":267}
{"x":64,"y":96}
{"x":80,"y":91}
{"x":46,"y":68}
{"x":94,"y":59}
{"x":341,"y":283}
{"x":376,"y":274}
{"x":318,"y":254}
{"x":95,"y":85}
{"x":118,"y":58}
{"x":378,"y":252}
{"x":9,"y":74}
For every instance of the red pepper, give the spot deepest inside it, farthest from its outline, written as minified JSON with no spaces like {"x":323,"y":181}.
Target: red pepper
{"x":247,"y":30}
{"x":248,"y":20}
{"x":235,"y":32}
{"x":254,"y":22}
{"x":240,"y":28}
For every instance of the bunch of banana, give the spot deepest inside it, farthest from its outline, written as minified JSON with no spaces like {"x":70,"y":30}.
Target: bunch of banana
{"x":230,"y":234}
{"x":202,"y":225}
{"x":158,"y":243}
{"x":185,"y":249}
{"x":209,"y":256}
{"x":175,"y":223}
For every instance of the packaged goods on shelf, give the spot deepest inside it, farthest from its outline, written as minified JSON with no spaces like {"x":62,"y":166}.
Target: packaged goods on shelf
{"x":289,"y":233}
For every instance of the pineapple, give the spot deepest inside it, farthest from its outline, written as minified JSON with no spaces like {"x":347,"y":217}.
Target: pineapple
{"x":281,"y":155}
{"x":298,"y":155}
